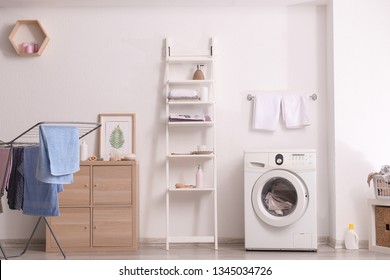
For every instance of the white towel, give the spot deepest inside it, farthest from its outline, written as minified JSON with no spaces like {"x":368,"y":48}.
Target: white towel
{"x":183,"y":93}
{"x":294,"y":109}
{"x":266,"y":111}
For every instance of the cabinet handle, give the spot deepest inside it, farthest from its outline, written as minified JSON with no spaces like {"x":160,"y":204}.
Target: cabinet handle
{"x":85,"y":227}
{"x":95,"y":185}
{"x":85,"y":186}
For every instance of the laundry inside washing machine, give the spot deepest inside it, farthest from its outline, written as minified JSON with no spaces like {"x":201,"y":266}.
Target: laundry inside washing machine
{"x":279,"y":197}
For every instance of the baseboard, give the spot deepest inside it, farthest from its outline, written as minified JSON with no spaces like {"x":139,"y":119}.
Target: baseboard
{"x":159,"y":241}
{"x":339,"y":244}
{"x":322,"y":240}
{"x":21,"y":243}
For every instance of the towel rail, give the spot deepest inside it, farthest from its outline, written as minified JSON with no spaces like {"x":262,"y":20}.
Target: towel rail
{"x":313,"y":97}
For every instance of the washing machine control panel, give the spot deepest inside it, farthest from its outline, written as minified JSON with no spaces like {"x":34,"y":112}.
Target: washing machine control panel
{"x":295,"y":160}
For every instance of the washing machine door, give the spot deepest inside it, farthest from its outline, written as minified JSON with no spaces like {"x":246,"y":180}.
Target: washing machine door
{"x":279,"y":197}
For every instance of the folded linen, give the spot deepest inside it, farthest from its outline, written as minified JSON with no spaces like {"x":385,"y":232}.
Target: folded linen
{"x":266,"y":111}
{"x":183,"y":93}
{"x":59,"y":154}
{"x":294,"y":109}
{"x":40,"y":199}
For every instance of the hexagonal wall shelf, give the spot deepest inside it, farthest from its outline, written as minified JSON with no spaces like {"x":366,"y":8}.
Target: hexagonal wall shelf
{"x":28,"y":38}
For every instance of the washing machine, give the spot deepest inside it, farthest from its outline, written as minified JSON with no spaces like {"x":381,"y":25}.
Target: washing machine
{"x":280,"y":200}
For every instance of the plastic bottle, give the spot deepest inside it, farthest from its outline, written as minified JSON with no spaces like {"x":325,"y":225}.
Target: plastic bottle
{"x":83,"y":151}
{"x":199,"y":177}
{"x":351,"y":238}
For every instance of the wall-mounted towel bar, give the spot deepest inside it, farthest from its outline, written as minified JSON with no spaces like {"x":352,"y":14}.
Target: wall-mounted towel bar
{"x":313,"y":97}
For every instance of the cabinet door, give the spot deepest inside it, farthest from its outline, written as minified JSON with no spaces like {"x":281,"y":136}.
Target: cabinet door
{"x":72,"y":228}
{"x":112,"y":226}
{"x":112,"y":185}
{"x":77,"y":193}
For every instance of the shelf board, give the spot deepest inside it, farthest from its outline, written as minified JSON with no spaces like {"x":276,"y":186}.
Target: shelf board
{"x":193,"y":123}
{"x":187,"y":59}
{"x":190,"y":82}
{"x":189,"y":156}
{"x":187,"y":102}
{"x":191,"y":189}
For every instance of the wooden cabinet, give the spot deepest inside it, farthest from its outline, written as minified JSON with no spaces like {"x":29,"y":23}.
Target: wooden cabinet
{"x":99,"y":211}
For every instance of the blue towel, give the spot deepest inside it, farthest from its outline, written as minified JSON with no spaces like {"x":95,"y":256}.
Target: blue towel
{"x":59,"y":155}
{"x":40,"y":199}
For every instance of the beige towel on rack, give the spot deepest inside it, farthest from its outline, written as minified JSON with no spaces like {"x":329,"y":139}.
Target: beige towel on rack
{"x":266,"y":111}
{"x":294,"y":109}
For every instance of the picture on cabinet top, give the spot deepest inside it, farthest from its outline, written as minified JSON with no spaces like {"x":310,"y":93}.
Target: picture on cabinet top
{"x":117,"y":136}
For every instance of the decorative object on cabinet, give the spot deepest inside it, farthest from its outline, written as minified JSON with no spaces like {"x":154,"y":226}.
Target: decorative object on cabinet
{"x":31,"y":137}
{"x":29,"y":38}
{"x":117,"y":136}
{"x":99,"y":211}
{"x":190,"y":121}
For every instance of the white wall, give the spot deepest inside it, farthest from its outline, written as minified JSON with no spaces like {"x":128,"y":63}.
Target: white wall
{"x":361,"y":98}
{"x":108,"y":60}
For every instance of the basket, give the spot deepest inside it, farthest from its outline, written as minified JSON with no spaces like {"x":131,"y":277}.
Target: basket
{"x":382,"y":227}
{"x":381,"y":187}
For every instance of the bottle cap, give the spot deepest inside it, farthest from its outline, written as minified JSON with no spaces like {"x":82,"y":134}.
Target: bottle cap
{"x":351,"y":226}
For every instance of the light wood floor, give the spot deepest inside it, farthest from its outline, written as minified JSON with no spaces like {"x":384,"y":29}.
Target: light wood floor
{"x":201,"y":252}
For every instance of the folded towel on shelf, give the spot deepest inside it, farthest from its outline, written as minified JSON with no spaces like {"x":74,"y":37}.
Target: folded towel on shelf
{"x":59,"y":155}
{"x":266,"y":111}
{"x":294,"y":109}
{"x":40,"y":199}
{"x":183,"y":94}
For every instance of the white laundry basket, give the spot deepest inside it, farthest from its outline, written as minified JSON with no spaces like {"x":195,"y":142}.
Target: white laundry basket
{"x":381,"y":187}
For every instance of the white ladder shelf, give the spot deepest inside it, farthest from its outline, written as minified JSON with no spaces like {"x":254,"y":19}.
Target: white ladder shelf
{"x":182,"y":61}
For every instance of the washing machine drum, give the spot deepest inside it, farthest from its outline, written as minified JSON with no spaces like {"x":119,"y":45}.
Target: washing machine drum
{"x":279,"y":197}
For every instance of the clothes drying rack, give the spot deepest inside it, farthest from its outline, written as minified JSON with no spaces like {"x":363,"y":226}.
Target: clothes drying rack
{"x":31,"y":137}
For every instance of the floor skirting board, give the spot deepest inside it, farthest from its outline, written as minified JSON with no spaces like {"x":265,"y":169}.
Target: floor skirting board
{"x":322,"y":240}
{"x":339,"y":244}
{"x":21,"y":243}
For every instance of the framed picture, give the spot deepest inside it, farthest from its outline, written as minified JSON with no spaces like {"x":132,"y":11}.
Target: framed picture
{"x":117,"y":136}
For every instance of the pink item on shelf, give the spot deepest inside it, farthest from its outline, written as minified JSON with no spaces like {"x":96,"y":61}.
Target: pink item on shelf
{"x":23,"y":47}
{"x":36,"y":47}
{"x":30,"y":48}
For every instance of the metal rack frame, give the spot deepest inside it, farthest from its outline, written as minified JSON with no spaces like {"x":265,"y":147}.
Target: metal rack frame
{"x":31,"y":137}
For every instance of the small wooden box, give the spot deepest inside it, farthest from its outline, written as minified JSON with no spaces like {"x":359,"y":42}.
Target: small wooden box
{"x":382,"y":226}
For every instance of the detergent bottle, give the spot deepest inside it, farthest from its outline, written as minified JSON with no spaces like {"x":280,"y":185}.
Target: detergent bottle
{"x":351,"y":238}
